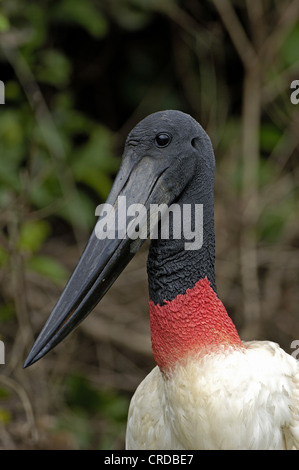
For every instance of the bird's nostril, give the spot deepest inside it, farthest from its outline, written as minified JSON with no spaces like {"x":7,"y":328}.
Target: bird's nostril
{"x":193,"y":142}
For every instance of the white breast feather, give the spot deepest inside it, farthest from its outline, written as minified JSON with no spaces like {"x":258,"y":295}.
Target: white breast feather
{"x":231,"y":399}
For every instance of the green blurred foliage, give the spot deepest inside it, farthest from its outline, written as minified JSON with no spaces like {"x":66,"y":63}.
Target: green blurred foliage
{"x":289,"y":51}
{"x":5,"y":415}
{"x":44,"y":164}
{"x":93,"y":410}
{"x":84,"y":14}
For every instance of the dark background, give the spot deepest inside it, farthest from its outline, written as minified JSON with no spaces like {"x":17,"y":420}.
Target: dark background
{"x":78,"y":76}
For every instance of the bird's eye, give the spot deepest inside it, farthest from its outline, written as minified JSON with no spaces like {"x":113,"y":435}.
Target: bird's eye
{"x":162,"y":139}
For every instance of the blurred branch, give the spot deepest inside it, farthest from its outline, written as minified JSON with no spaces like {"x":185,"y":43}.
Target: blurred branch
{"x":184,"y":20}
{"x":288,"y":17}
{"x":250,"y":163}
{"x":238,"y":36}
{"x":251,"y":114}
{"x":100,"y":330}
{"x":20,"y":391}
{"x":255,"y":11}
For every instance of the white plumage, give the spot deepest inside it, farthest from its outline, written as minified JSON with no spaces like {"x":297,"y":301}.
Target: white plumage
{"x":233,"y":399}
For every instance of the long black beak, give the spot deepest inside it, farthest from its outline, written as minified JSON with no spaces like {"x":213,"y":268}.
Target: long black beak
{"x":104,"y":259}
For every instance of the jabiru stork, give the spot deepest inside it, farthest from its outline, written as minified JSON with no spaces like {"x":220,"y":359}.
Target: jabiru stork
{"x":209,"y":390}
